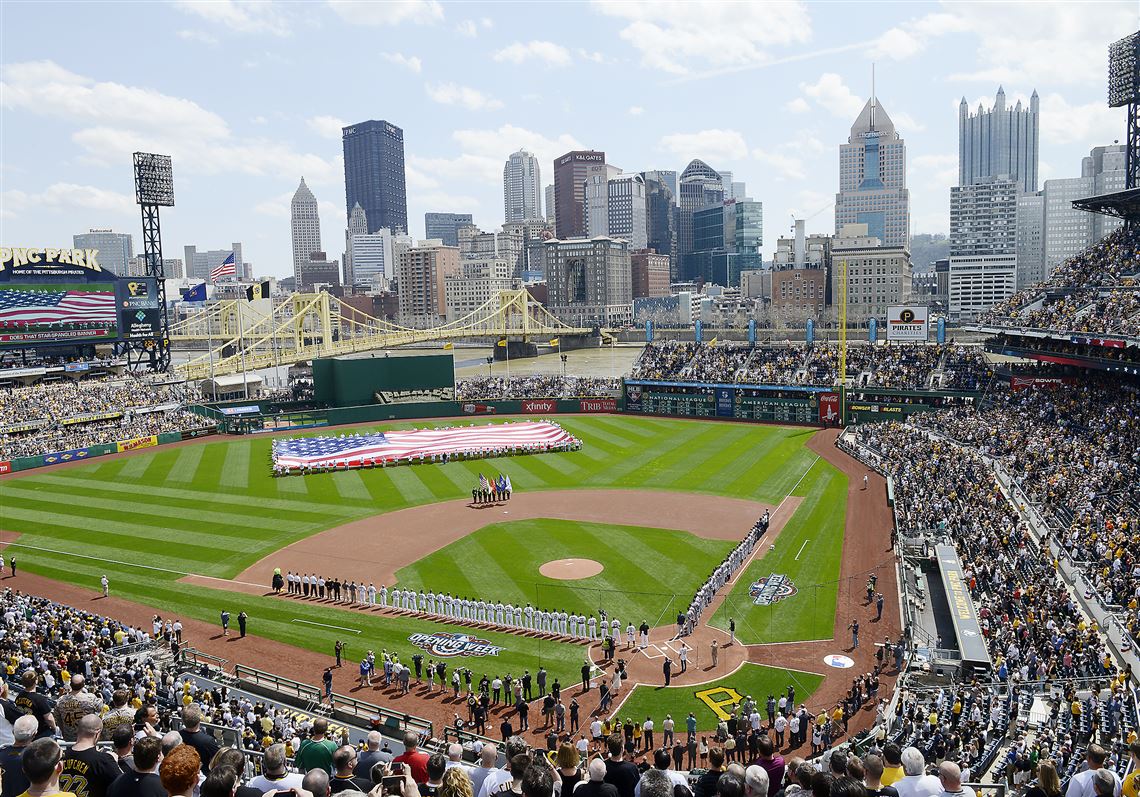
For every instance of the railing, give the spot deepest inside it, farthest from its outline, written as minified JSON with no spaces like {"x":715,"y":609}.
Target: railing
{"x":132,"y":649}
{"x":195,"y":657}
{"x":281,"y":685}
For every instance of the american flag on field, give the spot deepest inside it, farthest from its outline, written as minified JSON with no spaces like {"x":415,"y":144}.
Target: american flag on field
{"x":29,"y":307}
{"x":362,"y":449}
{"x":227,"y":269}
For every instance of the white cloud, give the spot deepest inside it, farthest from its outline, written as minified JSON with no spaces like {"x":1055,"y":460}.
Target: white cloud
{"x":113,"y":120}
{"x":467,"y":28}
{"x":708,"y":145}
{"x":241,"y":16}
{"x":912,"y":37}
{"x":636,"y":110}
{"x":806,"y":143}
{"x":1040,"y":43}
{"x":676,"y":35}
{"x":388,"y":12}
{"x":938,"y":169}
{"x":1092,"y":124}
{"x":783,"y":166}
{"x":465,"y":96}
{"x":595,"y":56}
{"x":905,"y":123}
{"x":200,"y":36}
{"x":276,"y":206}
{"x":798,"y":105}
{"x":66,"y":196}
{"x":518,"y":52}
{"x":832,"y":94}
{"x":410,"y":62}
{"x":326,"y":126}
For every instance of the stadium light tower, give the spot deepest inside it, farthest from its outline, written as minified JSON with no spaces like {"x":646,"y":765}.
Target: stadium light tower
{"x":1124,"y":92}
{"x":154,"y":188}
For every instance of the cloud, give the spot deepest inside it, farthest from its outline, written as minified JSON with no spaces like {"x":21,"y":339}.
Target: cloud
{"x":388,"y":12}
{"x":113,"y":120}
{"x":241,"y":16}
{"x":783,"y":166}
{"x":832,"y":94}
{"x":676,"y":36}
{"x":905,"y":122}
{"x":1092,"y":124}
{"x":635,"y":110}
{"x":938,"y":169}
{"x":326,"y":126}
{"x":587,"y":55}
{"x":200,"y":36}
{"x":276,"y":206}
{"x":708,"y":145}
{"x":482,"y":153}
{"x":549,"y":52}
{"x":798,"y":105}
{"x":467,"y":28}
{"x":66,"y":196}
{"x":410,"y":62}
{"x":912,"y":37}
{"x":465,"y":96}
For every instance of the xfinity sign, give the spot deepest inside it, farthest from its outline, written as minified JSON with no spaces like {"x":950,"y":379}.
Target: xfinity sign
{"x":908,"y":322}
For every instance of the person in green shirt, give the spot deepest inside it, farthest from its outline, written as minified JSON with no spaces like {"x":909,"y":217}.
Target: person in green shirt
{"x":316,"y":752}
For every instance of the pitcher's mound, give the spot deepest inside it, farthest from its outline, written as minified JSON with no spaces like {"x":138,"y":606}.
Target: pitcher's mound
{"x":570,"y":569}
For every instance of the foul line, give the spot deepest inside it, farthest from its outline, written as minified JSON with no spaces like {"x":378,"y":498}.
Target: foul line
{"x":801,"y":550}
{"x":759,"y":547}
{"x":125,"y":564}
{"x":326,"y":625}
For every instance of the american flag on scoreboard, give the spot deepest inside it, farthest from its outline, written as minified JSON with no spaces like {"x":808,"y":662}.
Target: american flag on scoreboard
{"x":29,"y":307}
{"x":356,"y":450}
{"x":227,"y":269}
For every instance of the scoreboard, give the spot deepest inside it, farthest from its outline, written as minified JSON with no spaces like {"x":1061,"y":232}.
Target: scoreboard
{"x":777,"y":404}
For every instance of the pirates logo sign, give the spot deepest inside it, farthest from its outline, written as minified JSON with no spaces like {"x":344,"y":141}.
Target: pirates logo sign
{"x":444,"y":644}
{"x":772,"y":589}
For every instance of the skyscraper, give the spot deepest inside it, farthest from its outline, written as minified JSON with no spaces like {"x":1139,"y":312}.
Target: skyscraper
{"x":549,"y":192}
{"x":983,"y":217}
{"x":626,"y":209}
{"x":306,"y":223}
{"x":445,"y":226}
{"x":522,"y":187}
{"x":570,"y":191}
{"x":726,"y":240}
{"x":661,"y":216}
{"x":374,"y":174}
{"x":701,"y":185}
{"x":116,"y":249}
{"x":1000,"y":141}
{"x":872,"y":179}
{"x":357,"y":225}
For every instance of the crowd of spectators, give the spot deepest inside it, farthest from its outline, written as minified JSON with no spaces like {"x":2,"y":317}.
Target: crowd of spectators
{"x":535,"y":386}
{"x":1096,"y":291}
{"x":67,"y":414}
{"x":894,"y":366}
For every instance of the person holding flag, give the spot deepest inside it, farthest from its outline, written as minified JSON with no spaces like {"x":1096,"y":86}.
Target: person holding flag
{"x":485,"y":488}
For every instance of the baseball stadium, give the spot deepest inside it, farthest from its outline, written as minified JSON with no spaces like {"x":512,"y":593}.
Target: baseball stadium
{"x":261,"y":523}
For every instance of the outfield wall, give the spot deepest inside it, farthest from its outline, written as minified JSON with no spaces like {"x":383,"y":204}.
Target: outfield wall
{"x":102,"y":449}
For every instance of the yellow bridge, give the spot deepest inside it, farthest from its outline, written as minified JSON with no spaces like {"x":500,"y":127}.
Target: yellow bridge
{"x":308,"y":325}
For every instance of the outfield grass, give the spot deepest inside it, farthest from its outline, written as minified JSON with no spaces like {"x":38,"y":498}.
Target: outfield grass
{"x":501,"y":562}
{"x":751,"y":679}
{"x":809,"y":551}
{"x":214,"y":509}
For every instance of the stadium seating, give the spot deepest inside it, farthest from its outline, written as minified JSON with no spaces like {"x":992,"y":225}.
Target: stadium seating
{"x":535,"y":386}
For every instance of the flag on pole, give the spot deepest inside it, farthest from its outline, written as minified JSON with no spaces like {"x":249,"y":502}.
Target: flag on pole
{"x":259,"y":290}
{"x":226,"y":269}
{"x":554,"y":342}
{"x":483,"y":483}
{"x":195,"y":294}
{"x":502,"y":343}
{"x":501,"y":483}
{"x":507,"y":479}
{"x":712,"y":342}
{"x":449,"y":345}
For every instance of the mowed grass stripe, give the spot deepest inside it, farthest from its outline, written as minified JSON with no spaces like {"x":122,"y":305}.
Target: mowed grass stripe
{"x":349,"y":485}
{"x":406,"y":483}
{"x":126,"y":547}
{"x":742,"y":456}
{"x":676,"y":463}
{"x":235,"y":467}
{"x":185,"y":467}
{"x":618,"y":473}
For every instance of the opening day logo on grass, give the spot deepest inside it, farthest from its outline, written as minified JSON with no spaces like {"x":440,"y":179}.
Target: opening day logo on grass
{"x":442,"y":643}
{"x":772,"y":589}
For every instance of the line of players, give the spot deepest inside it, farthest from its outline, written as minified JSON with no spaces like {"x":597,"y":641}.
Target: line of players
{"x":687,"y":621}
{"x":524,"y":618}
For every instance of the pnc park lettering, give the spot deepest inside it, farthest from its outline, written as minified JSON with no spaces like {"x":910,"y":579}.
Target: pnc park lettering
{"x":19,"y":256}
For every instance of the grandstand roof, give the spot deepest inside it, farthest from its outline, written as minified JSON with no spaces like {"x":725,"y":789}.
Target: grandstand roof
{"x":1121,"y":204}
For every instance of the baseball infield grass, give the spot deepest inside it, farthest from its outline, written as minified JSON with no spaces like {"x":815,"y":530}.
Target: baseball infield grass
{"x":502,"y":561}
{"x":751,"y":679}
{"x":808,"y":553}
{"x":213,"y":509}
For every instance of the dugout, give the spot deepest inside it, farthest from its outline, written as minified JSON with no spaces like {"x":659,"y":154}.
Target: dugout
{"x":962,"y":614}
{"x":383,"y":378}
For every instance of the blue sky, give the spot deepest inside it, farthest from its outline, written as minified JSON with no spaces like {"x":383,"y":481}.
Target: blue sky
{"x":249,"y":96}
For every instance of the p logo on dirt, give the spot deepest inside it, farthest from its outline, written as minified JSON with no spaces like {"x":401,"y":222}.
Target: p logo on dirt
{"x":772,"y":589}
{"x":444,"y":644}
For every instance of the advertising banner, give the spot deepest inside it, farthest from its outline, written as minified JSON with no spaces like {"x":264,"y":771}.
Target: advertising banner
{"x":532,"y":406}
{"x":725,"y":402}
{"x":5,"y":467}
{"x":908,"y":322}
{"x":598,"y":405}
{"x":27,"y":426}
{"x":66,"y":456}
{"x":971,"y":642}
{"x":1018,"y":383}
{"x":633,"y":395}
{"x":249,"y":409}
{"x":136,"y":443}
{"x":829,"y":408}
{"x":190,"y":434}
{"x":90,"y":418}
{"x":471,"y":408}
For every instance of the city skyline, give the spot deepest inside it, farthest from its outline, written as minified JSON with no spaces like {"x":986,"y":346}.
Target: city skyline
{"x":241,"y":140}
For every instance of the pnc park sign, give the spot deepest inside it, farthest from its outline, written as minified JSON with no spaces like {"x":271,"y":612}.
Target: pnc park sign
{"x":447,"y":645}
{"x":22,"y":257}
